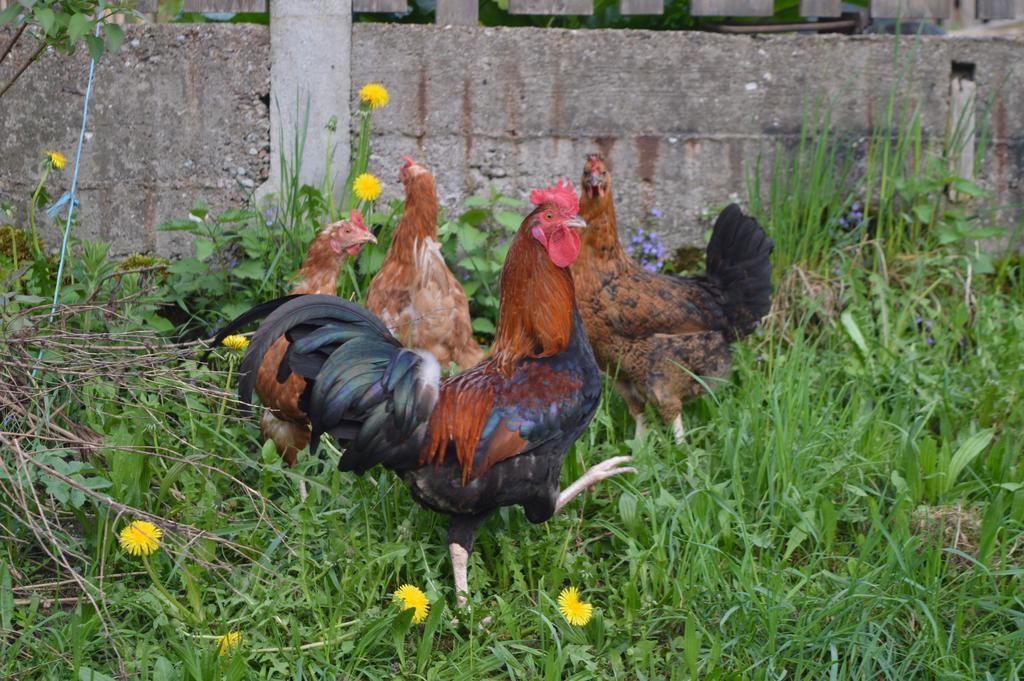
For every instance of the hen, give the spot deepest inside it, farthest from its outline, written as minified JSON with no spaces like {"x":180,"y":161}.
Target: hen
{"x":284,"y":421}
{"x":495,"y":435}
{"x":654,"y":333}
{"x":414,"y":293}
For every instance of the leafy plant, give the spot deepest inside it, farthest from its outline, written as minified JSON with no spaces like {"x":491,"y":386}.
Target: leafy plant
{"x":476,"y":245}
{"x":63,"y":25}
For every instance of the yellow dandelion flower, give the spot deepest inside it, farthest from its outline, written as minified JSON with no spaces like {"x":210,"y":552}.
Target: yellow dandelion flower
{"x":374,"y":94}
{"x":236,"y":342}
{"x":56,"y":159}
{"x":141,"y":537}
{"x":366,"y":187}
{"x":228,"y":641}
{"x":575,"y":611}
{"x":409,"y":596}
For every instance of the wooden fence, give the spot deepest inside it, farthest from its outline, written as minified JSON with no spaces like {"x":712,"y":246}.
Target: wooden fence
{"x":467,"y":12}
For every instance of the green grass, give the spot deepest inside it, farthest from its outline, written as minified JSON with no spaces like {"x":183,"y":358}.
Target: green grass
{"x":782,"y":540}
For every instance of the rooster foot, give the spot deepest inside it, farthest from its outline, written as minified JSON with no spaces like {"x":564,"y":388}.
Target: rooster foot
{"x":677,"y":429}
{"x":598,"y":472}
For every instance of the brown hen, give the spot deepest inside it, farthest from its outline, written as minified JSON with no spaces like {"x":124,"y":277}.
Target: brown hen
{"x":283,"y":421}
{"x":414,"y":293}
{"x":656,"y":334}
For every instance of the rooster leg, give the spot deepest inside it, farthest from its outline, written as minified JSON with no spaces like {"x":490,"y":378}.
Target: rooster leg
{"x":596,"y":474}
{"x":677,"y":429}
{"x":461,"y":533}
{"x":641,"y":426}
{"x":460,"y":565}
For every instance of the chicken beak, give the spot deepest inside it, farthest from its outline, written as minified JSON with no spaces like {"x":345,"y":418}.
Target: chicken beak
{"x":593,"y":179}
{"x":576,"y":222}
{"x":368,"y":237}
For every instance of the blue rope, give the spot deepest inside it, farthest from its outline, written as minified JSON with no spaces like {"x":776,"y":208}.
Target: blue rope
{"x":74,"y":182}
{"x":69,"y":197}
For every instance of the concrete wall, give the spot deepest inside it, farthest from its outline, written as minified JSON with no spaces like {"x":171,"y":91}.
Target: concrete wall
{"x":182,"y":113}
{"x":682,"y":116}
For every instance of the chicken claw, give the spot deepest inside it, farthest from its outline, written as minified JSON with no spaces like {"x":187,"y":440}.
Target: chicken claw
{"x":597,"y":473}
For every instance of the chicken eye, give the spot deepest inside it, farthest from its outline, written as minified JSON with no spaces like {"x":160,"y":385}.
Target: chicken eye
{"x":549,"y":216}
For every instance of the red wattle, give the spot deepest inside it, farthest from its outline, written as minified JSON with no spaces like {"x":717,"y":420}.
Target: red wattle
{"x":563,"y":246}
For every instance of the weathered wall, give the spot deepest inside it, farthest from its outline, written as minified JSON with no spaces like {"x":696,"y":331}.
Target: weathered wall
{"x":682,"y":116}
{"x":182,"y":114}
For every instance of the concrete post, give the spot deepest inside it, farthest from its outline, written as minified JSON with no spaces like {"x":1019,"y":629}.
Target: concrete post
{"x":310,"y":53}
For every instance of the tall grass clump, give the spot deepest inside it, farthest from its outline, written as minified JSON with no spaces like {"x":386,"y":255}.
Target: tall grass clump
{"x":899,"y":188}
{"x":806,"y":194}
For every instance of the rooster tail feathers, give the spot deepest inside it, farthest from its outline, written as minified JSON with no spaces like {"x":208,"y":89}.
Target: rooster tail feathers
{"x":374,"y":396}
{"x":739,"y":266}
{"x":244,"y":319}
{"x":388,"y":390}
{"x":299,"y":316}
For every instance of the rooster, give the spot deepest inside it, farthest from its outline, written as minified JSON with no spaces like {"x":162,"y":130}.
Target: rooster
{"x":284,"y":421}
{"x":494,"y":435}
{"x":656,"y":333}
{"x":414,"y":293}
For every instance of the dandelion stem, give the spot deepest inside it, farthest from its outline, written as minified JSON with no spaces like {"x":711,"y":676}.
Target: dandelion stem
{"x":361,"y":156}
{"x":313,"y":644}
{"x":36,"y":247}
{"x":227,"y":388}
{"x":158,"y":583}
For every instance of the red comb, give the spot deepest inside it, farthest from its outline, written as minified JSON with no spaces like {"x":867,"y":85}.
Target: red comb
{"x":408,"y":161}
{"x":561,"y":195}
{"x":357,"y":219}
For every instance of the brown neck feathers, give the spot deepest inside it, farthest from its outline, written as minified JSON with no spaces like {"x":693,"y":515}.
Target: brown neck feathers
{"x":419,"y":220}
{"x":601,"y":237}
{"x":537,"y":301}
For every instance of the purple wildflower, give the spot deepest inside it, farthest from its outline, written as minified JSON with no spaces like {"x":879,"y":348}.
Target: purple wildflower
{"x":929,"y":341}
{"x":646,"y":248}
{"x":656,"y":212}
